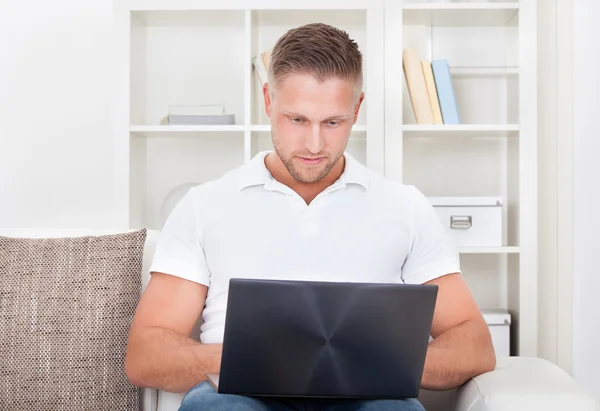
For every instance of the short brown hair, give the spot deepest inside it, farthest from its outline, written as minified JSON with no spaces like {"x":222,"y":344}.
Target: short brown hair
{"x":318,"y":49}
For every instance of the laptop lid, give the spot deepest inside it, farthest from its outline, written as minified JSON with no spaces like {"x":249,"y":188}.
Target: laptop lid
{"x":325,"y":339}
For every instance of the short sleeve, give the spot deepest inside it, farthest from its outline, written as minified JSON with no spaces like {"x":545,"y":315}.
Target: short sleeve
{"x":433,"y":252}
{"x":178,"y":249}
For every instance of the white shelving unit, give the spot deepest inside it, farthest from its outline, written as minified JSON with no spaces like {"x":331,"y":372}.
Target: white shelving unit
{"x":491,"y":49}
{"x":191,"y":53}
{"x":186,"y":52}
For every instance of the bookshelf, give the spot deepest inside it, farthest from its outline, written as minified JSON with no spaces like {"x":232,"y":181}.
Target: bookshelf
{"x":192,"y":53}
{"x":491,"y":49}
{"x":185,"y":52}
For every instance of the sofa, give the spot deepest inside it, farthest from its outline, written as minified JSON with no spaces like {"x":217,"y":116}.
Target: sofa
{"x":517,"y":383}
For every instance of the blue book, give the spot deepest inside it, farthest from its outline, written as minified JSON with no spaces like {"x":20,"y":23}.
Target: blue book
{"x":445,"y":91}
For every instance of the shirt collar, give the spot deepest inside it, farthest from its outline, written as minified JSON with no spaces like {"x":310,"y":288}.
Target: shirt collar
{"x":255,"y":172}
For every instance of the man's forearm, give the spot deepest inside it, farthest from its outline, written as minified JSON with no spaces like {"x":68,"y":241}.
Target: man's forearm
{"x":458,"y":355}
{"x":162,"y":359}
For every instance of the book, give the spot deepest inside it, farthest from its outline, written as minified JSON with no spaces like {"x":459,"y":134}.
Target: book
{"x":261,"y":65}
{"x":260,"y":69}
{"x":266,"y":59}
{"x":417,"y":89}
{"x":432,"y":92}
{"x":445,"y":91}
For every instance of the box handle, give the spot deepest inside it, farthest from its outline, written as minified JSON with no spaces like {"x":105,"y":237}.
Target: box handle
{"x":461,"y":222}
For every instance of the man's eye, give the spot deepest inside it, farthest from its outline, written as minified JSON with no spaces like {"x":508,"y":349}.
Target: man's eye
{"x":297,"y":120}
{"x":333,"y":123}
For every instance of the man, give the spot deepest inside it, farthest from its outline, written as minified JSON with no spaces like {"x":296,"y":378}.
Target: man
{"x":309,"y":211}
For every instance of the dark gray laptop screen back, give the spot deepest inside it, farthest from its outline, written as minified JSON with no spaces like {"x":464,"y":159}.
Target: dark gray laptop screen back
{"x":325,"y":339}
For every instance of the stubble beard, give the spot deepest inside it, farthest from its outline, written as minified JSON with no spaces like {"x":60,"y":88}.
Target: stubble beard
{"x":312,"y":175}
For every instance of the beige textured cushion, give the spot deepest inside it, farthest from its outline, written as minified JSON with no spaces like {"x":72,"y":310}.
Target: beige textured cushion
{"x":66,"y":305}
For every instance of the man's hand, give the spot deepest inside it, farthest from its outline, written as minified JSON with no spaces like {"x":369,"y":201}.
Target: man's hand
{"x":462,"y":346}
{"x":160,"y":353}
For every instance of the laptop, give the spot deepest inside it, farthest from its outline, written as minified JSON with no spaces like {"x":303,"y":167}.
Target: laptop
{"x":312,"y":339}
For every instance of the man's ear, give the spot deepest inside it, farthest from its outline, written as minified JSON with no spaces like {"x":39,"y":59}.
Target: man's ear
{"x":267,"y":97}
{"x":357,"y":108}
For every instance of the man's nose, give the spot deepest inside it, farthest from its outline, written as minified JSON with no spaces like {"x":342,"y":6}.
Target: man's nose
{"x":314,"y":141}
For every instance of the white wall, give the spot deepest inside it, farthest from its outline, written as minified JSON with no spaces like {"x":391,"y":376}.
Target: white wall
{"x":586,"y":186}
{"x":55,"y":127}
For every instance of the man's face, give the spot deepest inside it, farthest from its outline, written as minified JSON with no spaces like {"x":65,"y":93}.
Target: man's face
{"x":310,"y":123}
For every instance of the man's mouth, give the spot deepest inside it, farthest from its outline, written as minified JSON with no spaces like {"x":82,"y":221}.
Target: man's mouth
{"x":311,"y":160}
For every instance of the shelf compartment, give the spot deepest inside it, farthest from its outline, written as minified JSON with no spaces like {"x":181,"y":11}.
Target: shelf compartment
{"x":460,"y":130}
{"x":480,"y":43}
{"x":175,"y":60}
{"x":162,"y":168}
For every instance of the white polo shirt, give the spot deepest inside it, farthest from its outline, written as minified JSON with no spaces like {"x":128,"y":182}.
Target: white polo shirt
{"x":363,"y":228}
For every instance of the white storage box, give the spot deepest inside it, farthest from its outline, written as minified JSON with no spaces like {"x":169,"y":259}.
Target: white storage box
{"x":498,"y":321}
{"x":472,"y":221}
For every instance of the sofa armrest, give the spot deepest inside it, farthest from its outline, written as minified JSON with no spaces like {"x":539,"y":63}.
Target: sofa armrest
{"x":149,"y":399}
{"x":523,"y":383}
{"x":169,"y":401}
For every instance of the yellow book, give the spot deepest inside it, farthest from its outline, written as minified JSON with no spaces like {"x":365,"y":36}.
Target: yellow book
{"x":432,"y":91}
{"x":415,"y":82}
{"x":266,"y":58}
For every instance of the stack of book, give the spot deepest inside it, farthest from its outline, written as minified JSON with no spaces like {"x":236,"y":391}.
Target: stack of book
{"x":199,"y":115}
{"x":430,"y":89}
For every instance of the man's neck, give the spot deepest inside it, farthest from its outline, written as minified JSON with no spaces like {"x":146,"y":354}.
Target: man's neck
{"x":308,"y":191}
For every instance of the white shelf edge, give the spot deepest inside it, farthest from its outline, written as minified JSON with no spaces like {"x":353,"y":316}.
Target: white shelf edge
{"x":266,"y":127}
{"x":441,"y":128}
{"x":260,"y":127}
{"x":143,"y":129}
{"x":461,"y":6}
{"x":158,"y":129}
{"x":489,"y":250}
